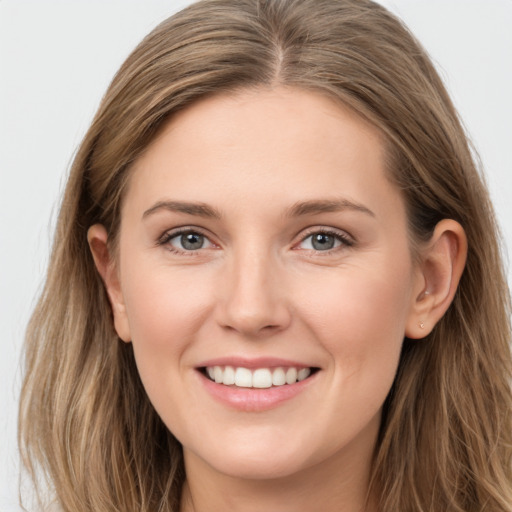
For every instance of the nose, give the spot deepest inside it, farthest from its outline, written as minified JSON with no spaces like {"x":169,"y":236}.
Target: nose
{"x":254,"y":301}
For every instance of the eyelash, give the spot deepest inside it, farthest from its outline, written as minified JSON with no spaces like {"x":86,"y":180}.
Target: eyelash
{"x":344,"y":239}
{"x":170,"y":235}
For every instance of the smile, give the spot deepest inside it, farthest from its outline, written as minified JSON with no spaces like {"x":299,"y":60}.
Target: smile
{"x":260,"y":378}
{"x":255,"y":384}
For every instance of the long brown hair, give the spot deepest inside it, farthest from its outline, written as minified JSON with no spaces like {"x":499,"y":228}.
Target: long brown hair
{"x":446,"y":436}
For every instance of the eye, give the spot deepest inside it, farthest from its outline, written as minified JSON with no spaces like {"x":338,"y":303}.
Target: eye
{"x":186,"y":241}
{"x":324,"y":241}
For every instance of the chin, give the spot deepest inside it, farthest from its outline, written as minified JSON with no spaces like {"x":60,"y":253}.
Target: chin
{"x":252,"y":460}
{"x":259,"y":468}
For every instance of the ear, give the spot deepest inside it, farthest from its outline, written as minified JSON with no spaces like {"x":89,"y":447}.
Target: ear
{"x":97,"y":237}
{"x":442,"y":262}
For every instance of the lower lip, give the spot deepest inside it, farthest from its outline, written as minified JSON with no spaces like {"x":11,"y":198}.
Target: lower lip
{"x":255,"y":399}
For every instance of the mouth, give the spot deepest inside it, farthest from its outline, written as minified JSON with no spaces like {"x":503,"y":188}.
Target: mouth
{"x":259,"y":378}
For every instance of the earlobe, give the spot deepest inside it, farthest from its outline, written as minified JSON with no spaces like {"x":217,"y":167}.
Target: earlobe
{"x":442,"y":263}
{"x":97,"y":238}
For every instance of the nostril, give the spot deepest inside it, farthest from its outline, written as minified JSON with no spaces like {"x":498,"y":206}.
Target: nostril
{"x":254,"y":319}
{"x":253,"y":329}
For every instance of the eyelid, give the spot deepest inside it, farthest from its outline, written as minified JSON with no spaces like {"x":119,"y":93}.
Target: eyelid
{"x":168,"y":235}
{"x":341,"y":235}
{"x":346,"y":239}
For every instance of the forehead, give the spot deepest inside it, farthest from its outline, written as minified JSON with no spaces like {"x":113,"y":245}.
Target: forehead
{"x":275,"y":144}
{"x":306,"y":117}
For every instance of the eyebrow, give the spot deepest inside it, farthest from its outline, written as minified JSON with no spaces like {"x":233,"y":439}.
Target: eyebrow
{"x":311,"y":207}
{"x":197,"y":209}
{"x":326,"y":206}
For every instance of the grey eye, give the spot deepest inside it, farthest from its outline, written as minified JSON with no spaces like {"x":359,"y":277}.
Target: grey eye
{"x":189,"y":241}
{"x":192,"y":241}
{"x":321,"y":241}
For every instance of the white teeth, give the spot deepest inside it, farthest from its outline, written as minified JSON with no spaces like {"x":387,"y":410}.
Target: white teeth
{"x":229,"y":376}
{"x":243,"y":378}
{"x":217,"y":374}
{"x":278,"y":377}
{"x":260,"y":378}
{"x":303,"y":373}
{"x":291,"y":375}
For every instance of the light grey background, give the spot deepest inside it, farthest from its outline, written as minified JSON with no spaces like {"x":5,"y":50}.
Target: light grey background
{"x":56,"y":60}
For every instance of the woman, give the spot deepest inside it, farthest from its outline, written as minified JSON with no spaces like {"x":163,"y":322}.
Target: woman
{"x":276,"y":282}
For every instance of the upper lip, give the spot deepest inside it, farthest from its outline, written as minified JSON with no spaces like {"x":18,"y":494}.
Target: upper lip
{"x":253,"y":363}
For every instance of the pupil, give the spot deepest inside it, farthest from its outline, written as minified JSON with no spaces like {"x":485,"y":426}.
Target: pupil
{"x":192,"y":241}
{"x":322,"y":242}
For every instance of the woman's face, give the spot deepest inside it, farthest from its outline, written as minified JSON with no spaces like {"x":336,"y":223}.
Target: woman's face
{"x":261,"y":243}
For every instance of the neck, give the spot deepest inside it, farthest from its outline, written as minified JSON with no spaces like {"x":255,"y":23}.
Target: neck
{"x":325,"y":487}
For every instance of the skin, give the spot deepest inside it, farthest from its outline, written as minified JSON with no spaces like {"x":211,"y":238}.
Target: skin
{"x":258,"y":287}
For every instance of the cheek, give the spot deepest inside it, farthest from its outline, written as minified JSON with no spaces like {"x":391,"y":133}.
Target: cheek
{"x":360,"y":318}
{"x":161,"y":303}
{"x":164,"y":311}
